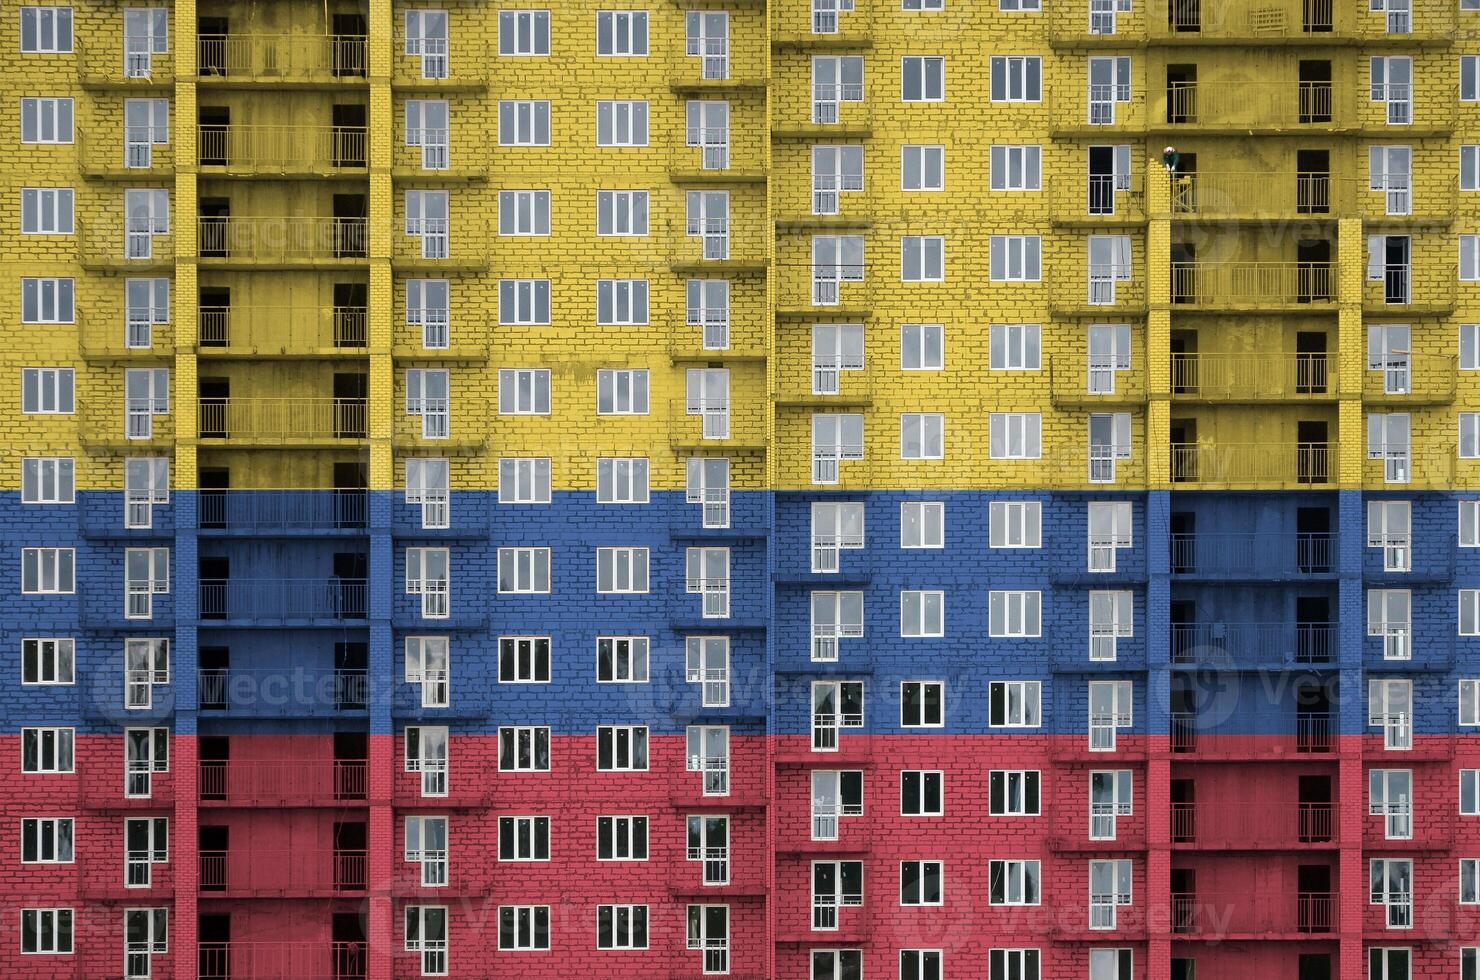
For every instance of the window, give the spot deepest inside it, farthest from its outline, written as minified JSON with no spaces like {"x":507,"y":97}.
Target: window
{"x":1016,"y":524}
{"x":1015,"y":435}
{"x":46,"y":931}
{"x":524,"y":927}
{"x":1469,"y":792}
{"x":1469,"y":956}
{"x":707,"y":573}
{"x":146,"y":842}
{"x":707,"y":37}
{"x":621,"y":748}
{"x":707,"y":217}
{"x":835,"y":80}
{"x":1390,"y":171}
{"x":46,"y":750}
{"x":46,"y":211}
{"x":922,"y":612}
{"x":1469,"y":881}
{"x":1017,"y":79}
{"x":620,"y":570}
{"x":427,"y":306}
{"x":835,"y":437}
{"x":707,"y":483}
{"x":46,"y":120}
{"x":923,"y":79}
{"x":621,"y":392}
{"x":146,"y":303}
{"x":427,"y":487}
{"x":46,"y":30}
{"x":524,"y":660}
{"x":47,"y":300}
{"x":834,"y":616}
{"x":835,"y":705}
{"x":622,"y":33}
{"x":835,"y":794}
{"x":708,"y":307}
{"x":922,"y":524}
{"x":836,"y":348}
{"x":1390,"y":527}
{"x":1013,"y":882}
{"x":709,"y":930}
{"x":523,"y":32}
{"x":1109,"y":887}
{"x":1392,"y":83}
{"x":621,"y":927}
{"x":46,"y":391}
{"x":837,"y":964}
{"x":836,"y":170}
{"x":1109,"y":263}
{"x":1110,"y":526}
{"x":834,"y":884}
{"x":524,"y":570}
{"x":146,"y":32}
{"x":1469,"y":702}
{"x":428,"y":660}
{"x":1111,"y":615}
{"x":836,"y":527}
{"x":922,"y":258}
{"x":1390,"y":616}
{"x":1388,"y":963}
{"x":426,"y":753}
{"x":1014,"y":704}
{"x":1392,"y":887}
{"x":524,"y":212}
{"x":146,"y":483}
{"x":1469,"y":435}
{"x":524,"y":480}
{"x":524,"y":391}
{"x":921,"y":793}
{"x":922,"y":167}
{"x":1469,"y":523}
{"x":1014,"y":347}
{"x":922,"y":347}
{"x":1390,"y":796}
{"x":1389,"y":439}
{"x":145,"y":752}
{"x":1469,"y":78}
{"x":46,"y":840}
{"x":47,"y":571}
{"x":427,"y":127}
{"x":1015,"y":258}
{"x":1016,"y":168}
{"x":523,"y":748}
{"x":707,"y":663}
{"x":522,"y":122}
{"x":427,"y":396}
{"x":707,"y":126}
{"x":426,"y":845}
{"x":621,"y":212}
{"x":708,"y":396}
{"x":920,"y":883}
{"x":622,"y":480}
{"x":426,"y":38}
{"x":1111,"y":964}
{"x":1013,"y":964}
{"x":429,"y":575}
{"x":923,"y":964}
{"x":1014,"y":613}
{"x":1110,"y":797}
{"x":1013,"y":792}
{"x":523,"y":838}
{"x":835,"y":259}
{"x":48,"y":661}
{"x":622,"y":659}
{"x":146,"y":393}
{"x":1390,"y":707}
{"x":922,"y":435}
{"x":621,"y":123}
{"x":427,"y":219}
{"x":922,"y":704}
{"x":426,"y":933}
{"x":1109,"y":83}
{"x":1469,"y":258}
{"x":47,"y":480}
{"x":146,"y":573}
{"x":622,"y":838}
{"x":1469,"y":612}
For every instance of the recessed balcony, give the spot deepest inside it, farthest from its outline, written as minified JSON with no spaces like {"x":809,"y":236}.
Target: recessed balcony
{"x":282,"y":331}
{"x":275,"y":151}
{"x":266,"y":960}
{"x":1244,"y":106}
{"x":1301,"y":735}
{"x":282,"y":601}
{"x":1253,"y":914}
{"x":293,"y":692}
{"x":1259,"y":194}
{"x":282,"y":421}
{"x":283,"y":782}
{"x":1221,"y":286}
{"x":1255,"y":377}
{"x":251,"y":873}
{"x":1253,"y":464}
{"x":301,"y":59}
{"x":284,"y":241}
{"x":1262,"y":645}
{"x":1261,"y":825}
{"x":283,"y":512}
{"x":1253,"y":555}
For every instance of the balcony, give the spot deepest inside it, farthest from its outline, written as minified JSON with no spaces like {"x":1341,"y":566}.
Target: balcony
{"x":283,"y":512}
{"x":282,"y":961}
{"x":104,"y":153}
{"x":285,"y":601}
{"x":1266,"y":21}
{"x":291,"y":692}
{"x":1086,"y":381}
{"x":1100,"y":199}
{"x":703,"y":423}
{"x":282,"y":331}
{"x":1237,"y":105}
{"x":286,"y":242}
{"x":115,"y":338}
{"x":1256,"y":194}
{"x":281,"y":874}
{"x":276,"y":151}
{"x":1253,"y":464}
{"x":1251,"y":915}
{"x":431,"y":244}
{"x":1252,"y":377}
{"x":1295,"y":735}
{"x":110,"y":244}
{"x":1427,"y":464}
{"x":282,"y":782}
{"x":1107,"y":290}
{"x":1253,"y":826}
{"x":282,"y":421}
{"x":1415,"y":379}
{"x":1221,"y":286}
{"x":1259,"y":556}
{"x":105,"y":67}
{"x":839,"y":292}
{"x":1405,"y":288}
{"x":301,"y":59}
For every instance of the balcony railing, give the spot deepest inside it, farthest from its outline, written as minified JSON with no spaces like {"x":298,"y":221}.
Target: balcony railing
{"x":112,"y":243}
{"x":282,"y":510}
{"x":283,"y":599}
{"x":293,"y":149}
{"x":281,"y":960}
{"x":282,"y":419}
{"x":1290,"y":733}
{"x":1413,"y":378}
{"x":282,"y":329}
{"x":282,"y":781}
{"x":284,"y":239}
{"x":1087,"y":379}
{"x":1253,"y":463}
{"x":1266,"y":644}
{"x":1213,"y":914}
{"x":270,"y":872}
{"x":1251,"y":376}
{"x":282,"y":57}
{"x":1268,"y":825}
{"x":1253,"y":554}
{"x":1233,"y":19}
{"x":1252,"y":285}
{"x":283,"y":692}
{"x":1244,"y":194}
{"x":1247,"y":104}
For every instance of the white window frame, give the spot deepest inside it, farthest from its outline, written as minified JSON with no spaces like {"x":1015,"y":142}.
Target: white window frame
{"x":525,"y":570}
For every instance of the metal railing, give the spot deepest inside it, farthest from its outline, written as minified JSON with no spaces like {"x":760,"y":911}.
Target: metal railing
{"x":281,"y":510}
{"x":1255,"y":285}
{"x":1237,"y":194}
{"x":116,"y":243}
{"x":1411,"y":377}
{"x":282,"y":872}
{"x":282,"y":419}
{"x":282,"y":57}
{"x":285,"y":598}
{"x":1260,"y":19}
{"x":1270,"y":554}
{"x":282,"y":329}
{"x":1313,"y":732}
{"x":1224,"y":913}
{"x":1258,"y":824}
{"x":266,"y":781}
{"x":265,"y":960}
{"x":1274,"y":644}
{"x":1254,"y":463}
{"x":1248,"y":103}
{"x":1253,"y":375}
{"x":281,"y":148}
{"x":282,"y":239}
{"x":293,"y":691}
